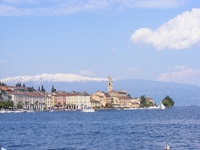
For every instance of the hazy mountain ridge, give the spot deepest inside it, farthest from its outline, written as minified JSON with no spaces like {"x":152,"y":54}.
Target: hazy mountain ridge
{"x":183,"y":94}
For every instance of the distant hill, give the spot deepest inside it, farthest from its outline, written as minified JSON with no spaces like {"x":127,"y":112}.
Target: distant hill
{"x":182,"y":94}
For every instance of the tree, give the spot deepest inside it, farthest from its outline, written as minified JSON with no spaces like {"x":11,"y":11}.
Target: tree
{"x":31,"y":89}
{"x":2,"y":84}
{"x":24,"y":85}
{"x":42,"y":89}
{"x":168,"y":102}
{"x":143,"y":102}
{"x":38,"y":88}
{"x":53,"y":89}
{"x":6,"y":104}
{"x":19,"y":105}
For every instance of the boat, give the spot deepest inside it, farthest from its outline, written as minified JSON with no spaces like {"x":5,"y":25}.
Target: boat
{"x":152,"y":107}
{"x":162,"y":107}
{"x":88,"y":109}
{"x":2,"y":148}
{"x":29,"y":111}
{"x":167,"y":147}
{"x":2,"y":112}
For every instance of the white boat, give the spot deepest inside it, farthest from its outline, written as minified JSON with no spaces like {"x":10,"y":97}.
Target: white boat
{"x":88,"y":110}
{"x":2,"y":148}
{"x":2,"y":112}
{"x":29,"y":111}
{"x":162,"y":107}
{"x":152,"y":107}
{"x":167,"y":147}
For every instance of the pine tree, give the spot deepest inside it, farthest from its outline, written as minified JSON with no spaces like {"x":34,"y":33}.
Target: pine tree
{"x":43,"y":90}
{"x":3,"y":84}
{"x":53,"y":89}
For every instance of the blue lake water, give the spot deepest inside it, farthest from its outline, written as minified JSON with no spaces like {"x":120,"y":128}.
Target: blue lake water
{"x":102,"y":130}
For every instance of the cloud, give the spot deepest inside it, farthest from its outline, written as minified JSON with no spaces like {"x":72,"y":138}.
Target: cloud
{"x":188,"y":76}
{"x":47,"y":7}
{"x":86,"y":73}
{"x":65,"y":7}
{"x":179,"y":33}
{"x":180,"y":67}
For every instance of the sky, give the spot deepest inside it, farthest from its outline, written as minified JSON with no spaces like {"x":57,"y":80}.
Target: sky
{"x":127,"y":39}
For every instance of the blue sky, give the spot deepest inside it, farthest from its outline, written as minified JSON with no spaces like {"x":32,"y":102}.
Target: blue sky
{"x":127,"y":39}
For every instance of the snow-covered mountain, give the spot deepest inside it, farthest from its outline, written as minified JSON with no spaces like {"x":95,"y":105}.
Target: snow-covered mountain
{"x":51,"y":78}
{"x":183,"y":94}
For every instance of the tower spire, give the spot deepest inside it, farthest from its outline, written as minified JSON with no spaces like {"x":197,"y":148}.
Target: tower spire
{"x":110,"y":84}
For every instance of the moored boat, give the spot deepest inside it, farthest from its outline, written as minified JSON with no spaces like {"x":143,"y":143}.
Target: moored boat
{"x":162,"y":107}
{"x":167,"y":147}
{"x":89,"y":109}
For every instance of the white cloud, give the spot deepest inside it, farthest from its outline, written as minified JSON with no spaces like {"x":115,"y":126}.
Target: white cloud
{"x":178,"y":33}
{"x":65,"y":7}
{"x":86,"y":73}
{"x":47,"y":7}
{"x":180,"y":67}
{"x":188,"y":76}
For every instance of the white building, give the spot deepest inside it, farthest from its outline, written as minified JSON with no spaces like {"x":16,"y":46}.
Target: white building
{"x":78,"y":100}
{"x":28,"y":100}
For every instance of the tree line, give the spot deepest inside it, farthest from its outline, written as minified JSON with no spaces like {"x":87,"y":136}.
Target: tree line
{"x":6,"y":104}
{"x":167,"y":102}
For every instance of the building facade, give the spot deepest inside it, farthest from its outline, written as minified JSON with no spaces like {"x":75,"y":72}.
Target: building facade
{"x":77,"y":100}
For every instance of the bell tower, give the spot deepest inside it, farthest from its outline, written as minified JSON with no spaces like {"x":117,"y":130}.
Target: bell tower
{"x":110,"y":84}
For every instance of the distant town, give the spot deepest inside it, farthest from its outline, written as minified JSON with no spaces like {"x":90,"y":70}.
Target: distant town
{"x":20,"y":97}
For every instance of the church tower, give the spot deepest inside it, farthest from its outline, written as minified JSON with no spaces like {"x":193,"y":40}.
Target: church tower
{"x":110,"y":84}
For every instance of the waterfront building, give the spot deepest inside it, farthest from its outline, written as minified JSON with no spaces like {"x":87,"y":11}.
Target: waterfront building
{"x":77,"y":100}
{"x":119,"y":98}
{"x":49,"y":102}
{"x":60,"y":99}
{"x":113,"y":102}
{"x":3,"y":95}
{"x":100,"y":97}
{"x":28,"y":100}
{"x":53,"y":99}
{"x":95,"y":103}
{"x":135,"y":102}
{"x":150,"y":101}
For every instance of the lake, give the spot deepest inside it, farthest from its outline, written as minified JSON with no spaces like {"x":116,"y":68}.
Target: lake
{"x":102,"y":130}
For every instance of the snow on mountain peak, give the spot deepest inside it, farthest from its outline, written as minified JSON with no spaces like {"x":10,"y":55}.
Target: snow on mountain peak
{"x":58,"y":77}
